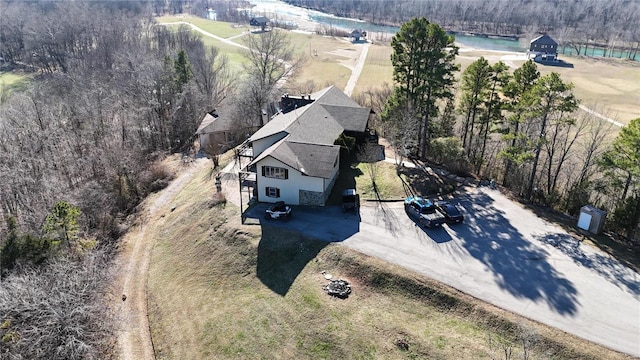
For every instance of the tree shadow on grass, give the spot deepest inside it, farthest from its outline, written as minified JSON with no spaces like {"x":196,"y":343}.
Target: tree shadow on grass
{"x":605,"y":266}
{"x":282,"y":255}
{"x":519,"y":267}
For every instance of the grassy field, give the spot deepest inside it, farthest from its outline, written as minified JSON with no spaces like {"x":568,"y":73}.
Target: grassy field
{"x":219,"y":28}
{"x":13,"y":81}
{"x":615,"y":88}
{"x":377,"y":69}
{"x":614,"y":84}
{"x":610,"y":85}
{"x":220,"y":289}
{"x":325,"y":55}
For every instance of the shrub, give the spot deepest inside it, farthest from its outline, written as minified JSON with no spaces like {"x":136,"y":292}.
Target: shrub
{"x":155,"y":178}
{"x":218,"y":198}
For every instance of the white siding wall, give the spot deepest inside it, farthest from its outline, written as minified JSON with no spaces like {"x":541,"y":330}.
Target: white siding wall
{"x":261,"y":145}
{"x":290,"y":188}
{"x":204,"y":140}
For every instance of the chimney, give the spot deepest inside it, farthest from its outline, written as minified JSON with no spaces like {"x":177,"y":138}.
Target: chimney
{"x":214,"y":113}
{"x":309,"y":96}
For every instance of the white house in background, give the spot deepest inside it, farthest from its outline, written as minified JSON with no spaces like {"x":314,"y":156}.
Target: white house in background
{"x":294,"y":156}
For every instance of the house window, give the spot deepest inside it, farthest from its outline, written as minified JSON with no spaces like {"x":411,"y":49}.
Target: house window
{"x":272,"y":192}
{"x":275,"y":172}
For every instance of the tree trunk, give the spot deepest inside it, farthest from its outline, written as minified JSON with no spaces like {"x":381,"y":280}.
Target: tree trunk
{"x":534,"y":167}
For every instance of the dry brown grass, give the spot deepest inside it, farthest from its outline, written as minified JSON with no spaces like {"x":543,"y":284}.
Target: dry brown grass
{"x":611,"y":85}
{"x":219,"y":289}
{"x":377,"y":69}
{"x":326,"y":59}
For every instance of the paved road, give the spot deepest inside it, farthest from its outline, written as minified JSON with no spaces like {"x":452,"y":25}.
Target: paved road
{"x":504,"y":255}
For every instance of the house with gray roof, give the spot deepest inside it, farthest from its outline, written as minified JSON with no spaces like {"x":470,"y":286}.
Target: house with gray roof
{"x":219,"y":132}
{"x":260,"y":21}
{"x":357,"y":34}
{"x":543,"y":48}
{"x":295,"y":158}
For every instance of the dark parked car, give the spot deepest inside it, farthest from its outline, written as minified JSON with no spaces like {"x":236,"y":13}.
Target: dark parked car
{"x":423,"y":211}
{"x":451,"y":212}
{"x":278,"y":210}
{"x":350,"y":200}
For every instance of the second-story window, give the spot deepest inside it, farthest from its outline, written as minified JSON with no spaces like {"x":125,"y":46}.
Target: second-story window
{"x":275,"y":172}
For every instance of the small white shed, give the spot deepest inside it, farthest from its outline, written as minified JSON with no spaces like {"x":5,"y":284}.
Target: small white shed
{"x":591,"y":219}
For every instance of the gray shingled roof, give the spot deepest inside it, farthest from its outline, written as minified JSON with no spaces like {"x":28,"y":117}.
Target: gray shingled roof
{"x":315,"y":160}
{"x":312,"y":129}
{"x":279,"y":123}
{"x":544,"y":39}
{"x":310,"y":159}
{"x":351,"y":118}
{"x":208,"y":120}
{"x":320,"y":122}
{"x":333,"y":96}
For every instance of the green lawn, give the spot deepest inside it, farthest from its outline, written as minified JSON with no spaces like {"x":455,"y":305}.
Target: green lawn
{"x":13,"y":81}
{"x":219,"y":28}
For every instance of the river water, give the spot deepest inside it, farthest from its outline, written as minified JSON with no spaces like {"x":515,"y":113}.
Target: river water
{"x":277,"y":8}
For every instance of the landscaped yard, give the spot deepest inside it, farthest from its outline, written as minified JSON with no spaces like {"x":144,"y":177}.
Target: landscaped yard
{"x":219,"y":289}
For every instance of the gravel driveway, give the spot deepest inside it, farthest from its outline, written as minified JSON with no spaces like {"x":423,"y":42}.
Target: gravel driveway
{"x":503,"y":254}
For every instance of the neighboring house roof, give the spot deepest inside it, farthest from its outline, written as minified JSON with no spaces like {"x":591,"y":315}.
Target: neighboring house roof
{"x":544,"y":39}
{"x":212,"y":124}
{"x":260,"y":20}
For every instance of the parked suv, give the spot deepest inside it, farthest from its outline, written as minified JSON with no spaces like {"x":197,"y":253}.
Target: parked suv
{"x":423,"y":211}
{"x":350,"y":200}
{"x":451,"y":212}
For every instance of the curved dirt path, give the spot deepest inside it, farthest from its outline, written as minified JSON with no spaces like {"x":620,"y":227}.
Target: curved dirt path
{"x":134,"y":340}
{"x":206,"y":33}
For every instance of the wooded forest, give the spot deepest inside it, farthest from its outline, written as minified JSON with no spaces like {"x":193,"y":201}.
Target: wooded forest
{"x":111,"y":93}
{"x":576,"y":24}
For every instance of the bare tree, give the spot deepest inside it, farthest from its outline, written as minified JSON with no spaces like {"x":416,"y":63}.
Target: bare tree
{"x":56,"y":311}
{"x":271,"y":59}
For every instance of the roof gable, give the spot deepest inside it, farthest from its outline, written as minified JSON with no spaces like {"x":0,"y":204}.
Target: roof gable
{"x":279,"y":123}
{"x":320,"y":122}
{"x":259,"y":20}
{"x":207,"y":125}
{"x":544,"y":39}
{"x":316,"y":160}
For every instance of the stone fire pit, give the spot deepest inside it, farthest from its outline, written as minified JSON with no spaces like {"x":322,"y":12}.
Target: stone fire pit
{"x":338,"y":288}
